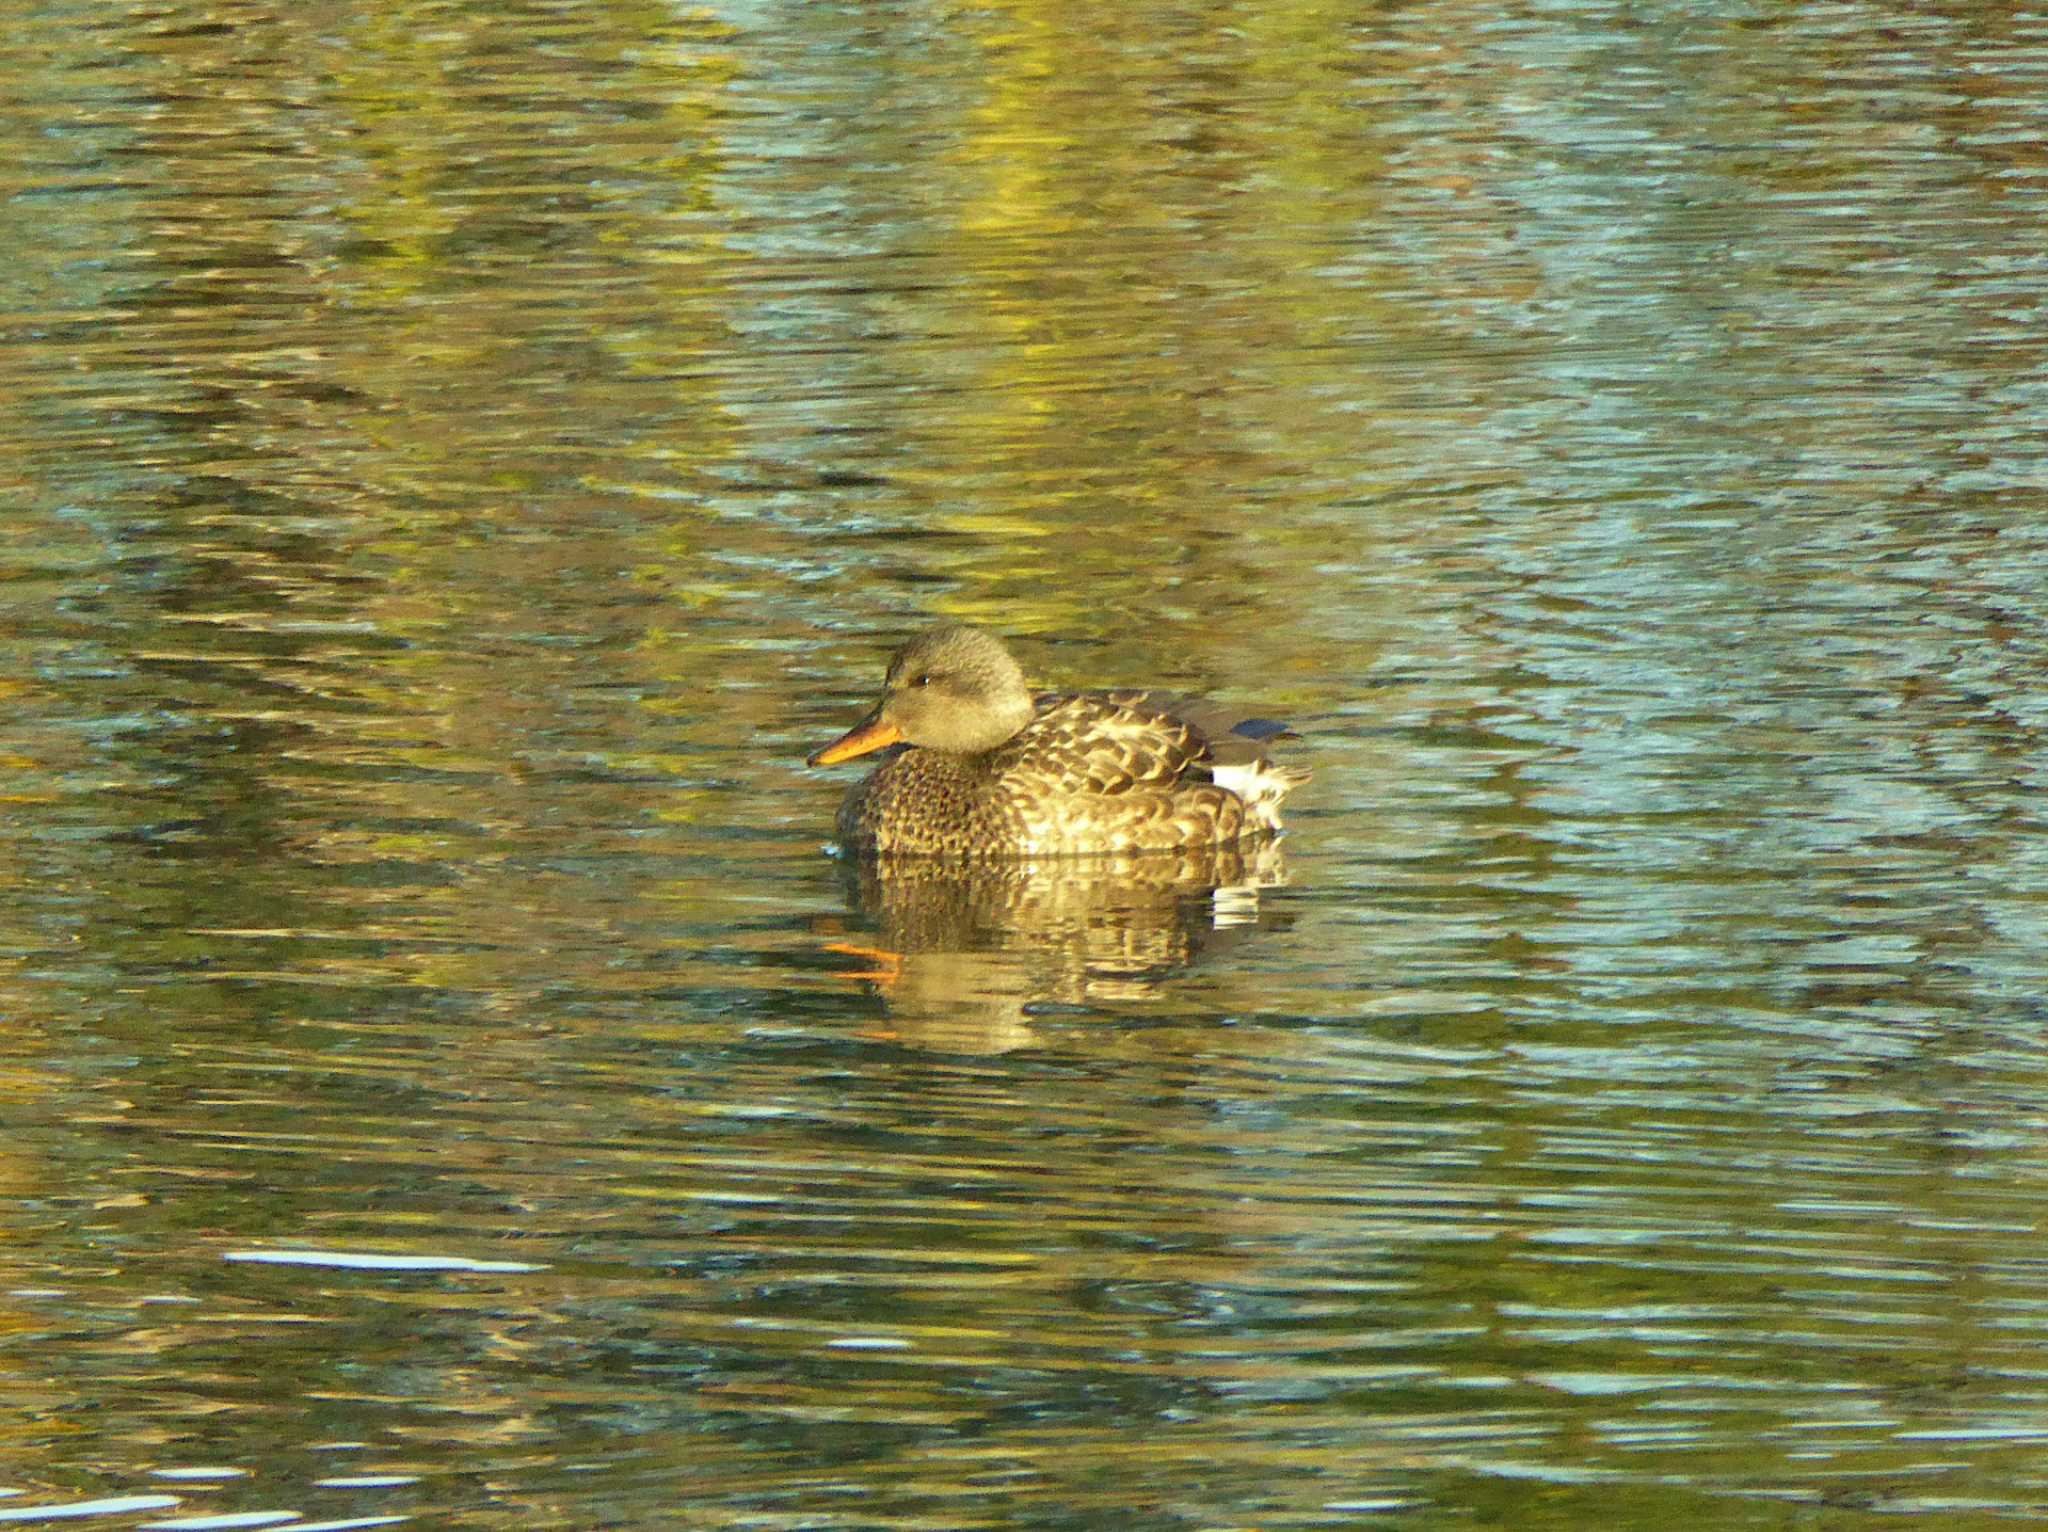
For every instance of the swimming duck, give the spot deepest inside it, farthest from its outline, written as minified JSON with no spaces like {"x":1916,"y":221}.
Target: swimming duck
{"x":980,"y":768}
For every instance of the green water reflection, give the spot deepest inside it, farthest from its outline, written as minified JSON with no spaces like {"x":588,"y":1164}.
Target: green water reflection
{"x":459,"y":460}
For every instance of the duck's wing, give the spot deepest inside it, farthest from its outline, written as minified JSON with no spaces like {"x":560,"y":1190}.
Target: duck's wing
{"x":1232,"y":736}
{"x":1227,"y":747}
{"x":1096,"y":742}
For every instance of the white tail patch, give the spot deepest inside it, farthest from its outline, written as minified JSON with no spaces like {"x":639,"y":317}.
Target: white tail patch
{"x":1262,"y":785}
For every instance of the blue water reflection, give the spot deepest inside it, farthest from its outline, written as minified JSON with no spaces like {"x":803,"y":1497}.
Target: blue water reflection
{"x":459,"y":464}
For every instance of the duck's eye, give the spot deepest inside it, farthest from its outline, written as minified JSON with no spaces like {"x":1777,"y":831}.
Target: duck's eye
{"x":924,"y":680}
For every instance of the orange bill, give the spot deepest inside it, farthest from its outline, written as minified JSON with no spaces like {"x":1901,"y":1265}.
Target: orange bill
{"x":868,"y":735}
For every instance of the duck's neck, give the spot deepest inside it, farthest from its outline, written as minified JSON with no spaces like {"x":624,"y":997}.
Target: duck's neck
{"x":989,"y":728}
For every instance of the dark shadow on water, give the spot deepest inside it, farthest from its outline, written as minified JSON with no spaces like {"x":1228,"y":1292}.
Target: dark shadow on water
{"x":962,"y":955}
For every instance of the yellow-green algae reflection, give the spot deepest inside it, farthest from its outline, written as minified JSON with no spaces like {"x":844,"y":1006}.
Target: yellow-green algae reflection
{"x":458,"y":461}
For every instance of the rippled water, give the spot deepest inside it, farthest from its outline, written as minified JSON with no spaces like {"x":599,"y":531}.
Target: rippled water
{"x":460,"y":460}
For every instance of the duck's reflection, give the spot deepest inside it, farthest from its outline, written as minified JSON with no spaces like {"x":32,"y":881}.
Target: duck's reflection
{"x":960,"y":953}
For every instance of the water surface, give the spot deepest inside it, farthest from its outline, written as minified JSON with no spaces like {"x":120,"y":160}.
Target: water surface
{"x":458,"y":464}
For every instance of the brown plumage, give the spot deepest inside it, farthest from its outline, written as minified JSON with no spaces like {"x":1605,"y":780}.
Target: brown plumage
{"x":983,"y":769}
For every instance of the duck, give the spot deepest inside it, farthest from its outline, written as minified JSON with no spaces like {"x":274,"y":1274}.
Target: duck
{"x":981,"y":768}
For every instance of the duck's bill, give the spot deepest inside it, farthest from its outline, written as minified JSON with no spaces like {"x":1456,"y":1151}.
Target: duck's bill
{"x":865,"y":737}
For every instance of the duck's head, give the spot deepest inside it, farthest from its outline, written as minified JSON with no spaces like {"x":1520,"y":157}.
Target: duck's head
{"x":952,"y":688}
